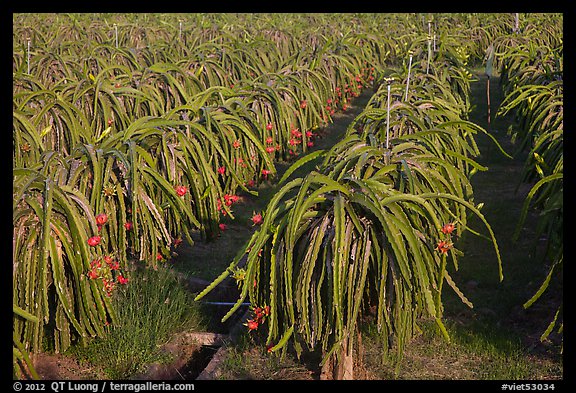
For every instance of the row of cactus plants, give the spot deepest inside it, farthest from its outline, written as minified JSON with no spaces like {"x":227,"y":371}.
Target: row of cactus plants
{"x":371,"y":230}
{"x":532,"y":81}
{"x":115,"y":161}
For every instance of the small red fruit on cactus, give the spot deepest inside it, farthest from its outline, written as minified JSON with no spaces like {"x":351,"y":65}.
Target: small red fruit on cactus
{"x":94,"y":241}
{"x":257,"y":219}
{"x":448,"y":228}
{"x":101,"y":219}
{"x":443,"y":247}
{"x":181,"y":190}
{"x":252,"y":324}
{"x":265,"y":173}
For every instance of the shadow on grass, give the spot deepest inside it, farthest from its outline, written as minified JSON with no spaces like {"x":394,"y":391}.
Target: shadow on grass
{"x":498,"y":322}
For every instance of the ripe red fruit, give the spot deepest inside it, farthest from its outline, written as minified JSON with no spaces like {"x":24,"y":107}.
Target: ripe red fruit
{"x":269,"y":127}
{"x":101,"y":219}
{"x":252,"y":324}
{"x":108,"y":286}
{"x":260,"y":313}
{"x":443,"y":247}
{"x":269,"y":140}
{"x":94,"y":241}
{"x":236,"y":144}
{"x":128,"y":225}
{"x":303,"y":104}
{"x":95,"y":264}
{"x":296,"y":133}
{"x":230,"y":199}
{"x":159,"y":257}
{"x":181,"y":190}
{"x":265,"y":173}
{"x":222,"y":227}
{"x":448,"y":228}
{"x":257,"y":219}
{"x":222,"y":170}
{"x":122,"y":280}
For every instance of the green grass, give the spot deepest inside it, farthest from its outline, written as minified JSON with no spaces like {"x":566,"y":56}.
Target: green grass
{"x":476,"y":352}
{"x":501,"y":191}
{"x":248,"y":359}
{"x":152,"y":308}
